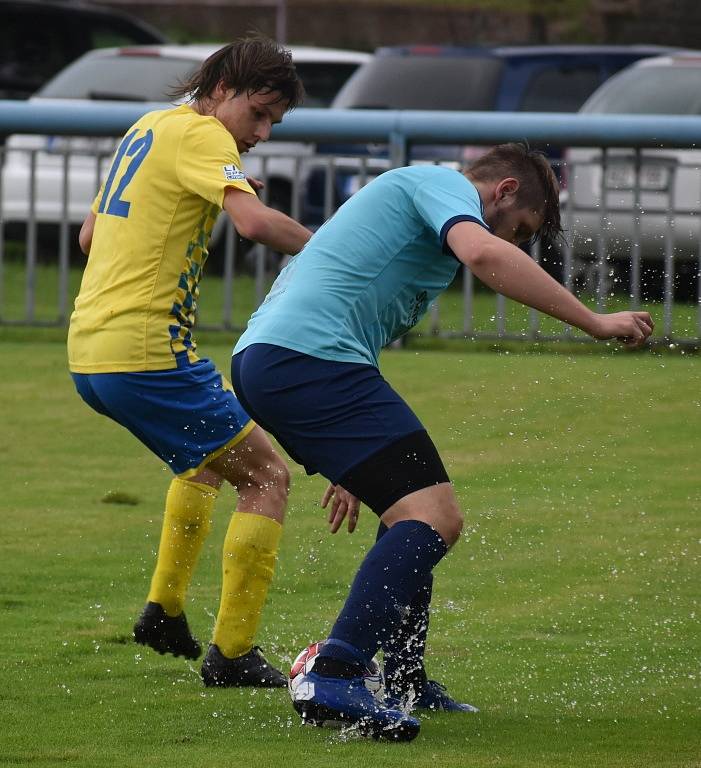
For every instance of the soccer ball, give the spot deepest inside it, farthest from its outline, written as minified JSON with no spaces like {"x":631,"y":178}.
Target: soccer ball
{"x":304,"y":663}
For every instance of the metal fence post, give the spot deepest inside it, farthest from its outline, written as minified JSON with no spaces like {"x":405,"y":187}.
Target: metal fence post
{"x":31,"y":243}
{"x":398,"y":149}
{"x":63,"y":243}
{"x":635,"y":273}
{"x":396,"y":130}
{"x":669,"y":256}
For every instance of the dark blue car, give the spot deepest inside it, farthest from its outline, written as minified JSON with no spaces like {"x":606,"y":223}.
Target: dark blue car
{"x":554,"y":78}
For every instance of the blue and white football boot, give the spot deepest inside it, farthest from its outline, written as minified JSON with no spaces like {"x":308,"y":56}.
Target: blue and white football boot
{"x":336,"y":701}
{"x":433,"y":697}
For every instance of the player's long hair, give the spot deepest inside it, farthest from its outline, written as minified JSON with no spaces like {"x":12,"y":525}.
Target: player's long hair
{"x":538,"y":185}
{"x":253,"y":64}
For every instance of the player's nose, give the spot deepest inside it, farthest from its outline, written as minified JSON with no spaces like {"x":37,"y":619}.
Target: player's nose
{"x":264,"y":130}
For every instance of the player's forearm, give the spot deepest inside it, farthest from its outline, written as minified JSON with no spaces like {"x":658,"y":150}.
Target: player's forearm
{"x":280,"y":232}
{"x":256,"y":221}
{"x":513,"y":273}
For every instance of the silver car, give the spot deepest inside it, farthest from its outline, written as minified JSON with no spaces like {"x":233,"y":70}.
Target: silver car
{"x":639,"y":207}
{"x":48,"y":179}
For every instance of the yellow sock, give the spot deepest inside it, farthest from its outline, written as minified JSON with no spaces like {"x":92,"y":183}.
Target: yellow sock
{"x":250,"y":552}
{"x":185,"y":527}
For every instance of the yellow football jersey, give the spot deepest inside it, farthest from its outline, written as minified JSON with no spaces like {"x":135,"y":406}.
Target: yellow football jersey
{"x":154,"y":216}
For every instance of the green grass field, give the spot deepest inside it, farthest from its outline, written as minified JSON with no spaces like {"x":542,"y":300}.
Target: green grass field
{"x":569,"y":612}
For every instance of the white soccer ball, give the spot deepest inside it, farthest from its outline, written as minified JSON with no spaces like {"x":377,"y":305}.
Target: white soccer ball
{"x":304,"y":663}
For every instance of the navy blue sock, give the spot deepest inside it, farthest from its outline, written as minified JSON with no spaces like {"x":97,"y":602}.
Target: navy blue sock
{"x":389,"y":577}
{"x":403,"y":652}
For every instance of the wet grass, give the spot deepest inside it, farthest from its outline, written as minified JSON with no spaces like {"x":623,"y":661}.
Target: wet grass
{"x":569,"y":613}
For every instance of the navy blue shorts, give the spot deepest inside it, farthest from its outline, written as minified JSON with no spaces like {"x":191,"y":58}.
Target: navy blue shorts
{"x":328,"y":416}
{"x":186,"y":415}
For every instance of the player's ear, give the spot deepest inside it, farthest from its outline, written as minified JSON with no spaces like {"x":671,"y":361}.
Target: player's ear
{"x":220,"y":90}
{"x":507,"y":188}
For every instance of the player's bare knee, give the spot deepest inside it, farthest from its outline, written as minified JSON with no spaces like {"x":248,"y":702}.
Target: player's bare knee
{"x":279,"y":475}
{"x":451,"y":526}
{"x":269,"y":479}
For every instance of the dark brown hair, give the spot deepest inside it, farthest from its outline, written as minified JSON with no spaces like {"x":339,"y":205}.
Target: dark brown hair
{"x":253,"y":64}
{"x":538,"y":186}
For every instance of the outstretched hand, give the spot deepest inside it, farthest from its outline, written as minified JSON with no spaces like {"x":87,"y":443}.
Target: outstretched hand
{"x":257,"y":184}
{"x":631,"y":328}
{"x":344,"y":503}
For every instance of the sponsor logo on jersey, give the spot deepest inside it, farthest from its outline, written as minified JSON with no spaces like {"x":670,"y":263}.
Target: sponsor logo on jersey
{"x":232,"y":173}
{"x":417,"y":308}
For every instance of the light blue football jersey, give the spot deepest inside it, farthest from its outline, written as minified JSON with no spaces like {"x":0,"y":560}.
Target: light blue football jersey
{"x":370,"y":272}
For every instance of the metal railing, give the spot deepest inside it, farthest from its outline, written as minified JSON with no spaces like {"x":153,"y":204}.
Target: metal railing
{"x":401,"y":133}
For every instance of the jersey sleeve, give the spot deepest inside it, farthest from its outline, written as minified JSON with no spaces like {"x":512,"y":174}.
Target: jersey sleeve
{"x":445,"y":199}
{"x":96,"y":202}
{"x":208,"y":162}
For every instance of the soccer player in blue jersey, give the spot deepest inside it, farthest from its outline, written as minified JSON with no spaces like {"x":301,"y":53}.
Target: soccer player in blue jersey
{"x":306,"y":369}
{"x":133,"y":357}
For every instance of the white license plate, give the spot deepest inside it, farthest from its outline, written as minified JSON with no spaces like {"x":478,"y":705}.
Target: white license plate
{"x":654,"y":177}
{"x":80,"y":145}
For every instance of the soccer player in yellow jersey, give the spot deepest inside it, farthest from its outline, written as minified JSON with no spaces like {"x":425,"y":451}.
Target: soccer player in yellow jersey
{"x":133,"y":358}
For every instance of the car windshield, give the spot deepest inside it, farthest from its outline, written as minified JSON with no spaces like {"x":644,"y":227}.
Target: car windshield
{"x":668,"y":90}
{"x":130,"y":78}
{"x":420,"y":82}
{"x":323,"y":81}
{"x":560,"y":88}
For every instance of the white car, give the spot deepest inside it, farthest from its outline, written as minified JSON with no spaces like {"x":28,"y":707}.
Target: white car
{"x":65,"y":171}
{"x":650,"y":203}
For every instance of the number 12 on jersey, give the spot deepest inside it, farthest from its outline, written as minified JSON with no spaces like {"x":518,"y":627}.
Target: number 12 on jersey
{"x":137,"y":149}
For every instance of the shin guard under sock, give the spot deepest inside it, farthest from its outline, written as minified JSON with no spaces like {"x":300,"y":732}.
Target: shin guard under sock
{"x":250,"y":553}
{"x":403,"y":652}
{"x":185,"y":527}
{"x":392,"y":573}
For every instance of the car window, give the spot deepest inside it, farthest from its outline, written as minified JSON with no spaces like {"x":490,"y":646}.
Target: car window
{"x":112,"y":35}
{"x":131,"y":78}
{"x":31,"y":50}
{"x":322,"y":81}
{"x":37,"y":40}
{"x":560,"y":88}
{"x":422,"y":82}
{"x":668,"y":90}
